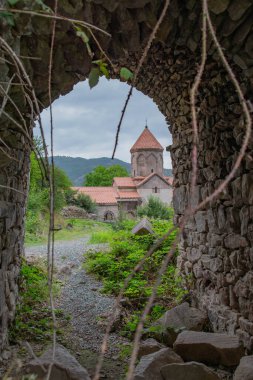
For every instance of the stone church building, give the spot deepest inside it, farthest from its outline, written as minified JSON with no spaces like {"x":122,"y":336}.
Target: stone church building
{"x":146,"y":179}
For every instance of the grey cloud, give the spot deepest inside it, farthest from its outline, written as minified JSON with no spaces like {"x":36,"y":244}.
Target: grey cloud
{"x":85,"y":121}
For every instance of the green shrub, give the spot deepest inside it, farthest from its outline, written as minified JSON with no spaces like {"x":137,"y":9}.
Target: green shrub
{"x":126,"y":250}
{"x":84,"y":201}
{"x":70,"y":195}
{"x":132,"y":321}
{"x":33,"y":321}
{"x":155,"y":208}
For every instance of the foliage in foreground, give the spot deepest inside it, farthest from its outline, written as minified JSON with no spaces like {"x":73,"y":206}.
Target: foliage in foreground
{"x":155,"y":208}
{"x":33,"y":320}
{"x":126,"y":250}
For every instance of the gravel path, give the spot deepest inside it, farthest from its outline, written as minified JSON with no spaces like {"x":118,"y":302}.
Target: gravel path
{"x":81,"y":298}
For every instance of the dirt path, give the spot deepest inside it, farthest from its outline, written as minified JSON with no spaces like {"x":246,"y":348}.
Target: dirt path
{"x":86,"y":307}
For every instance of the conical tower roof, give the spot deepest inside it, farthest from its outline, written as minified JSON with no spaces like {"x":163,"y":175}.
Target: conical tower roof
{"x":146,"y":141}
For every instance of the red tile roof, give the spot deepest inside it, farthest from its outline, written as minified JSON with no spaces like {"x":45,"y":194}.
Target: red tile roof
{"x":124,"y":182}
{"x":145,"y":179}
{"x":109,"y":195}
{"x":128,"y":194}
{"x":146,"y":141}
{"x":169,"y":180}
{"x":100,"y":195}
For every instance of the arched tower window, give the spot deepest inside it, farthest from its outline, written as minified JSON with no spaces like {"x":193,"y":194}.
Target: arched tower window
{"x":152,"y":163}
{"x":141,"y":165}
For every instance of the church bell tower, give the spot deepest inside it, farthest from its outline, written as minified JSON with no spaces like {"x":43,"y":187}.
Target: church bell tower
{"x":146,"y":155}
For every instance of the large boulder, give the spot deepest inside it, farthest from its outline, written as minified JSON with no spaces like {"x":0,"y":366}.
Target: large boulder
{"x":149,"y":346}
{"x":189,"y":371}
{"x":245,"y":369}
{"x":181,"y":317}
{"x":65,"y":367}
{"x":74,"y":212}
{"x":209,"y":348}
{"x":150,"y":365}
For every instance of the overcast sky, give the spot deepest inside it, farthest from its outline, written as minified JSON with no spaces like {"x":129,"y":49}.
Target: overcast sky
{"x":85,"y":121}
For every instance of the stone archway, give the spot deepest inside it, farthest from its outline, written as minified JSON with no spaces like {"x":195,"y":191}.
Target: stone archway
{"x":216,"y":249}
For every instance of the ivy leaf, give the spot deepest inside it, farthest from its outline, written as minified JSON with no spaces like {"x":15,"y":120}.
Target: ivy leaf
{"x":85,"y":38}
{"x":8,"y":17}
{"x":99,"y":62}
{"x":126,"y":74}
{"x":105,"y":71}
{"x":102,"y":68}
{"x":13,"y":2}
{"x":94,"y":77}
{"x":44,"y":7}
{"x":80,"y":33}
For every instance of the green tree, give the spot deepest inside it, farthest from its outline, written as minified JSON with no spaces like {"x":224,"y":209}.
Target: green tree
{"x":102,"y":176}
{"x":155,"y":208}
{"x":62,"y":185}
{"x":38,"y":197}
{"x":35,"y":173}
{"x":61,"y":180}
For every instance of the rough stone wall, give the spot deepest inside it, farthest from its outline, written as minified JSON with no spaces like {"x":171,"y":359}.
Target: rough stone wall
{"x":13,"y":174}
{"x":216,"y":248}
{"x":103,"y":209}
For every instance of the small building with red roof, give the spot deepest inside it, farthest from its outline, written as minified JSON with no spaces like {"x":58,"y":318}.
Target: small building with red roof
{"x":147,"y":179}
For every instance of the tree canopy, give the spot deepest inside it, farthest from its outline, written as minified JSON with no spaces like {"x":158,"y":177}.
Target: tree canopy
{"x":102,"y":176}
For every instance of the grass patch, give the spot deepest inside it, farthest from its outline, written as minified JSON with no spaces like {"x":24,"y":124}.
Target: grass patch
{"x":126,"y":250}
{"x":33,"y":320}
{"x":100,"y":237}
{"x":70,"y":229}
{"x":125,"y":351}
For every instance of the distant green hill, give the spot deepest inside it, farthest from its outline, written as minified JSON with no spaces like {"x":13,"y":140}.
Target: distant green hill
{"x":77,"y":167}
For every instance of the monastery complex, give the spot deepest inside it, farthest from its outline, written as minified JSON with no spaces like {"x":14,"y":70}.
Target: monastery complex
{"x":146,"y":179}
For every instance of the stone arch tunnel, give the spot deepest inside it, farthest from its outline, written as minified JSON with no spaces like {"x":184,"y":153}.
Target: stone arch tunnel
{"x":216,"y":249}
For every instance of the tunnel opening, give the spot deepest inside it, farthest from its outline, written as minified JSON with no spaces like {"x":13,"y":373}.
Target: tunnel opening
{"x":216,"y":247}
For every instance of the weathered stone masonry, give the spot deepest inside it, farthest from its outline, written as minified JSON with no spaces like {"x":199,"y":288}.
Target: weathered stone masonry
{"x":216,"y":250}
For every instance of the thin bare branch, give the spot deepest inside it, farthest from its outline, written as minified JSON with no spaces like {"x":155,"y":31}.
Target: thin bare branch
{"x":8,"y":155}
{"x":5,"y":99}
{"x":193,"y":94}
{"x":14,"y":105}
{"x":52,"y":195}
{"x":148,"y":306}
{"x":13,"y":189}
{"x":245,"y":109}
{"x":136,"y":269}
{"x":136,"y":73}
{"x":32,"y":353}
{"x":56,"y":17}
{"x":20,"y":67}
{"x":120,"y":121}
